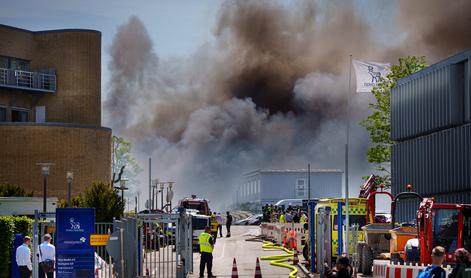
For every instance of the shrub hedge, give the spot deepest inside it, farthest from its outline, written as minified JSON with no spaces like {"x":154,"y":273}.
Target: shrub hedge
{"x":10,"y":225}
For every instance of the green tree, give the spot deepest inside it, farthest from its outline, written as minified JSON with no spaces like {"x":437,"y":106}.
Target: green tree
{"x":121,"y":151}
{"x":378,"y":122}
{"x":106,"y":201}
{"x":11,"y":190}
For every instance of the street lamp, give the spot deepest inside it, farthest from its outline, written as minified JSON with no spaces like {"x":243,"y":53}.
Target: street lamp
{"x":155,"y":184}
{"x":69,"y":177}
{"x":162,"y":186}
{"x":170,"y":195}
{"x":45,"y":174}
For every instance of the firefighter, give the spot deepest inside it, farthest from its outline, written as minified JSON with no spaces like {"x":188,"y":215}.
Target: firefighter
{"x":282,"y":217}
{"x":214,"y":226}
{"x":206,"y":242}
{"x":303,"y":218}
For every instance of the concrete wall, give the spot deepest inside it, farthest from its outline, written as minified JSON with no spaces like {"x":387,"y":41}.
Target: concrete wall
{"x":84,"y":150}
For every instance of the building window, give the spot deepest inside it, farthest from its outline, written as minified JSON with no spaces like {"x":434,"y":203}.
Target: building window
{"x":14,"y":63}
{"x":19,"y":115}
{"x":300,"y":188}
{"x":3,"y":114}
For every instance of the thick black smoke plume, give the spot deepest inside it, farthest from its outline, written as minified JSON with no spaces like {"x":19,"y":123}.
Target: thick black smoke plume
{"x":269,"y":93}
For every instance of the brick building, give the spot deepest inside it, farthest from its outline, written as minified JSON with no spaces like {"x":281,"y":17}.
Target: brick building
{"x":50,"y":109}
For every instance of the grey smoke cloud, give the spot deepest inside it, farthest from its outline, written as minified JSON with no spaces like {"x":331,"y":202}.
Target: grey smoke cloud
{"x":268,"y":93}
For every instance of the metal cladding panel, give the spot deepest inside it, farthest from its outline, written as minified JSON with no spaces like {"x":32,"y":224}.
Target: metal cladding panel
{"x":427,"y":102}
{"x":434,"y":164}
{"x":406,"y":210}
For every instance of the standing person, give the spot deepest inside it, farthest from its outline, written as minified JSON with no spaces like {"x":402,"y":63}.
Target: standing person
{"x":219,"y":220}
{"x":435,"y":270}
{"x":463,"y":262}
{"x":282,"y":217}
{"x":46,"y":255}
{"x":23,"y":258}
{"x":228,"y":223}
{"x":214,"y":226}
{"x":206,"y":249}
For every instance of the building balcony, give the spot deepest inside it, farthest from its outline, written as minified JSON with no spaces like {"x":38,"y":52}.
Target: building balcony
{"x":27,"y":80}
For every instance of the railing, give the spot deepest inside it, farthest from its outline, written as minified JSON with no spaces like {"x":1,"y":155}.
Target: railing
{"x":34,"y":81}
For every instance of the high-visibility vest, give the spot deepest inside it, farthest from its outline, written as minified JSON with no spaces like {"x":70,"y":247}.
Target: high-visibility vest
{"x":214,"y":225}
{"x":303,"y":219}
{"x":205,"y":246}
{"x":282,"y":218}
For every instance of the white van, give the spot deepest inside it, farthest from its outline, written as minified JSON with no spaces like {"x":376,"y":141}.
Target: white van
{"x":285,"y":203}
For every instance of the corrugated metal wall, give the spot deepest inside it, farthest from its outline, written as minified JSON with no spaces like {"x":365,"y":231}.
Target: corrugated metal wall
{"x":430,"y":116}
{"x":428,"y":102}
{"x":436,"y":163}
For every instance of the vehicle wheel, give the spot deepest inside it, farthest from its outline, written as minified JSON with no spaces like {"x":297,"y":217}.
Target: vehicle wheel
{"x":306,"y":252}
{"x":360,"y":247}
{"x":367,"y":260}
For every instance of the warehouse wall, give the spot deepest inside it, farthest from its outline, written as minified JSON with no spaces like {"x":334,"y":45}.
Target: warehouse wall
{"x":432,"y":99}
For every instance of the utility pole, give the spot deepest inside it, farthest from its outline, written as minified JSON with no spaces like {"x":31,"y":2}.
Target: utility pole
{"x":150,"y":185}
{"x":347,"y":203}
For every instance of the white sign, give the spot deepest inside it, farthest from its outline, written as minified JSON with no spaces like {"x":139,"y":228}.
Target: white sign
{"x":368,"y":74}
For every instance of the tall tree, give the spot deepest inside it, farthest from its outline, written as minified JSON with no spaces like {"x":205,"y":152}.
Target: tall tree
{"x":105,"y":200}
{"x":378,"y":123}
{"x":121,"y":156}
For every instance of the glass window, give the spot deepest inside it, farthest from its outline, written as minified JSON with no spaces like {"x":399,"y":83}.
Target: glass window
{"x":3,"y":114}
{"x":19,"y":115}
{"x":300,"y":188}
{"x":445,"y":228}
{"x":354,"y":219}
{"x":3,"y":62}
{"x":19,"y":64}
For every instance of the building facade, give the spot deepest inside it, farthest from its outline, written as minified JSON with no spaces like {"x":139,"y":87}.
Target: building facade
{"x":270,"y":186}
{"x":50,"y":109}
{"x":431,"y":124}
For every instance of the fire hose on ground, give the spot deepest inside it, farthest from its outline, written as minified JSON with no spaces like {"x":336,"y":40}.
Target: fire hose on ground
{"x":278,"y":260}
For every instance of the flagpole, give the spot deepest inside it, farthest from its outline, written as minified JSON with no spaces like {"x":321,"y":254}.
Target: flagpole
{"x":347,"y":202}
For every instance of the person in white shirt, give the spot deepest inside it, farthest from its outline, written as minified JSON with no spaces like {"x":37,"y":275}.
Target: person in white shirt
{"x":46,"y":251}
{"x":23,"y":258}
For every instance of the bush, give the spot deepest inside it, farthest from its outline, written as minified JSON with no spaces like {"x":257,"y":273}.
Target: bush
{"x":11,"y":190}
{"x":6,"y":238}
{"x":10,"y":225}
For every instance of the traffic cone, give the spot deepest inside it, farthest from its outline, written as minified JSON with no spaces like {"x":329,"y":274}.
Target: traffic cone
{"x":234,"y":270}
{"x":258,"y":271}
{"x":295,"y":258}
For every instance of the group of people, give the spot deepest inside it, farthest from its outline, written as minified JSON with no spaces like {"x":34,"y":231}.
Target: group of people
{"x":46,"y":255}
{"x":275,"y":214}
{"x":462,"y":268}
{"x":207,"y":240}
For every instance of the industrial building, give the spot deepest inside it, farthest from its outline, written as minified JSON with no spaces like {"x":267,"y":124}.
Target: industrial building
{"x":431,"y":124}
{"x":50,"y":109}
{"x":270,"y":186}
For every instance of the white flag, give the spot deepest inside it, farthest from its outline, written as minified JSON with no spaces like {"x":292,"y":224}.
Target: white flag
{"x":369,"y":74}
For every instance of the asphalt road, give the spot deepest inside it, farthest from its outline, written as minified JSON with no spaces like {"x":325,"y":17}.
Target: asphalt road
{"x":245,"y":252}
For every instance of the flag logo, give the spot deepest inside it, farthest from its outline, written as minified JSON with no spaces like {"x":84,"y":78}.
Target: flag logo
{"x":368,"y":74}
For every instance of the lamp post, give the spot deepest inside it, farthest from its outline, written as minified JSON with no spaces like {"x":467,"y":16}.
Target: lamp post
{"x":69,"y":178}
{"x":45,"y":173}
{"x":170,"y":195}
{"x":155,"y":184}
{"x":162,"y":186}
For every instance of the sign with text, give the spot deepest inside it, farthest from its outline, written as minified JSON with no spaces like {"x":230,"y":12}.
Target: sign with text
{"x":99,"y":239}
{"x":74,"y":253}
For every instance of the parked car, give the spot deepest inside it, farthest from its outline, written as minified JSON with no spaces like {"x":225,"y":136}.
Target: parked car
{"x":252,"y":220}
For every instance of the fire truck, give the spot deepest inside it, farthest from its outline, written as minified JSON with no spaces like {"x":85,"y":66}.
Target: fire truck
{"x":198,"y":204}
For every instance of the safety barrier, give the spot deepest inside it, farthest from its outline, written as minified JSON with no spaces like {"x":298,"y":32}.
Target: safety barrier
{"x":276,"y":231}
{"x":391,"y":270}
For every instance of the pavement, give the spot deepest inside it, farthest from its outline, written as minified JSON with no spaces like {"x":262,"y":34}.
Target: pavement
{"x":245,"y":252}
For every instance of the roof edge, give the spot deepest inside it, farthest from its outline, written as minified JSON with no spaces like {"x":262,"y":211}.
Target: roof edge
{"x":50,"y":31}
